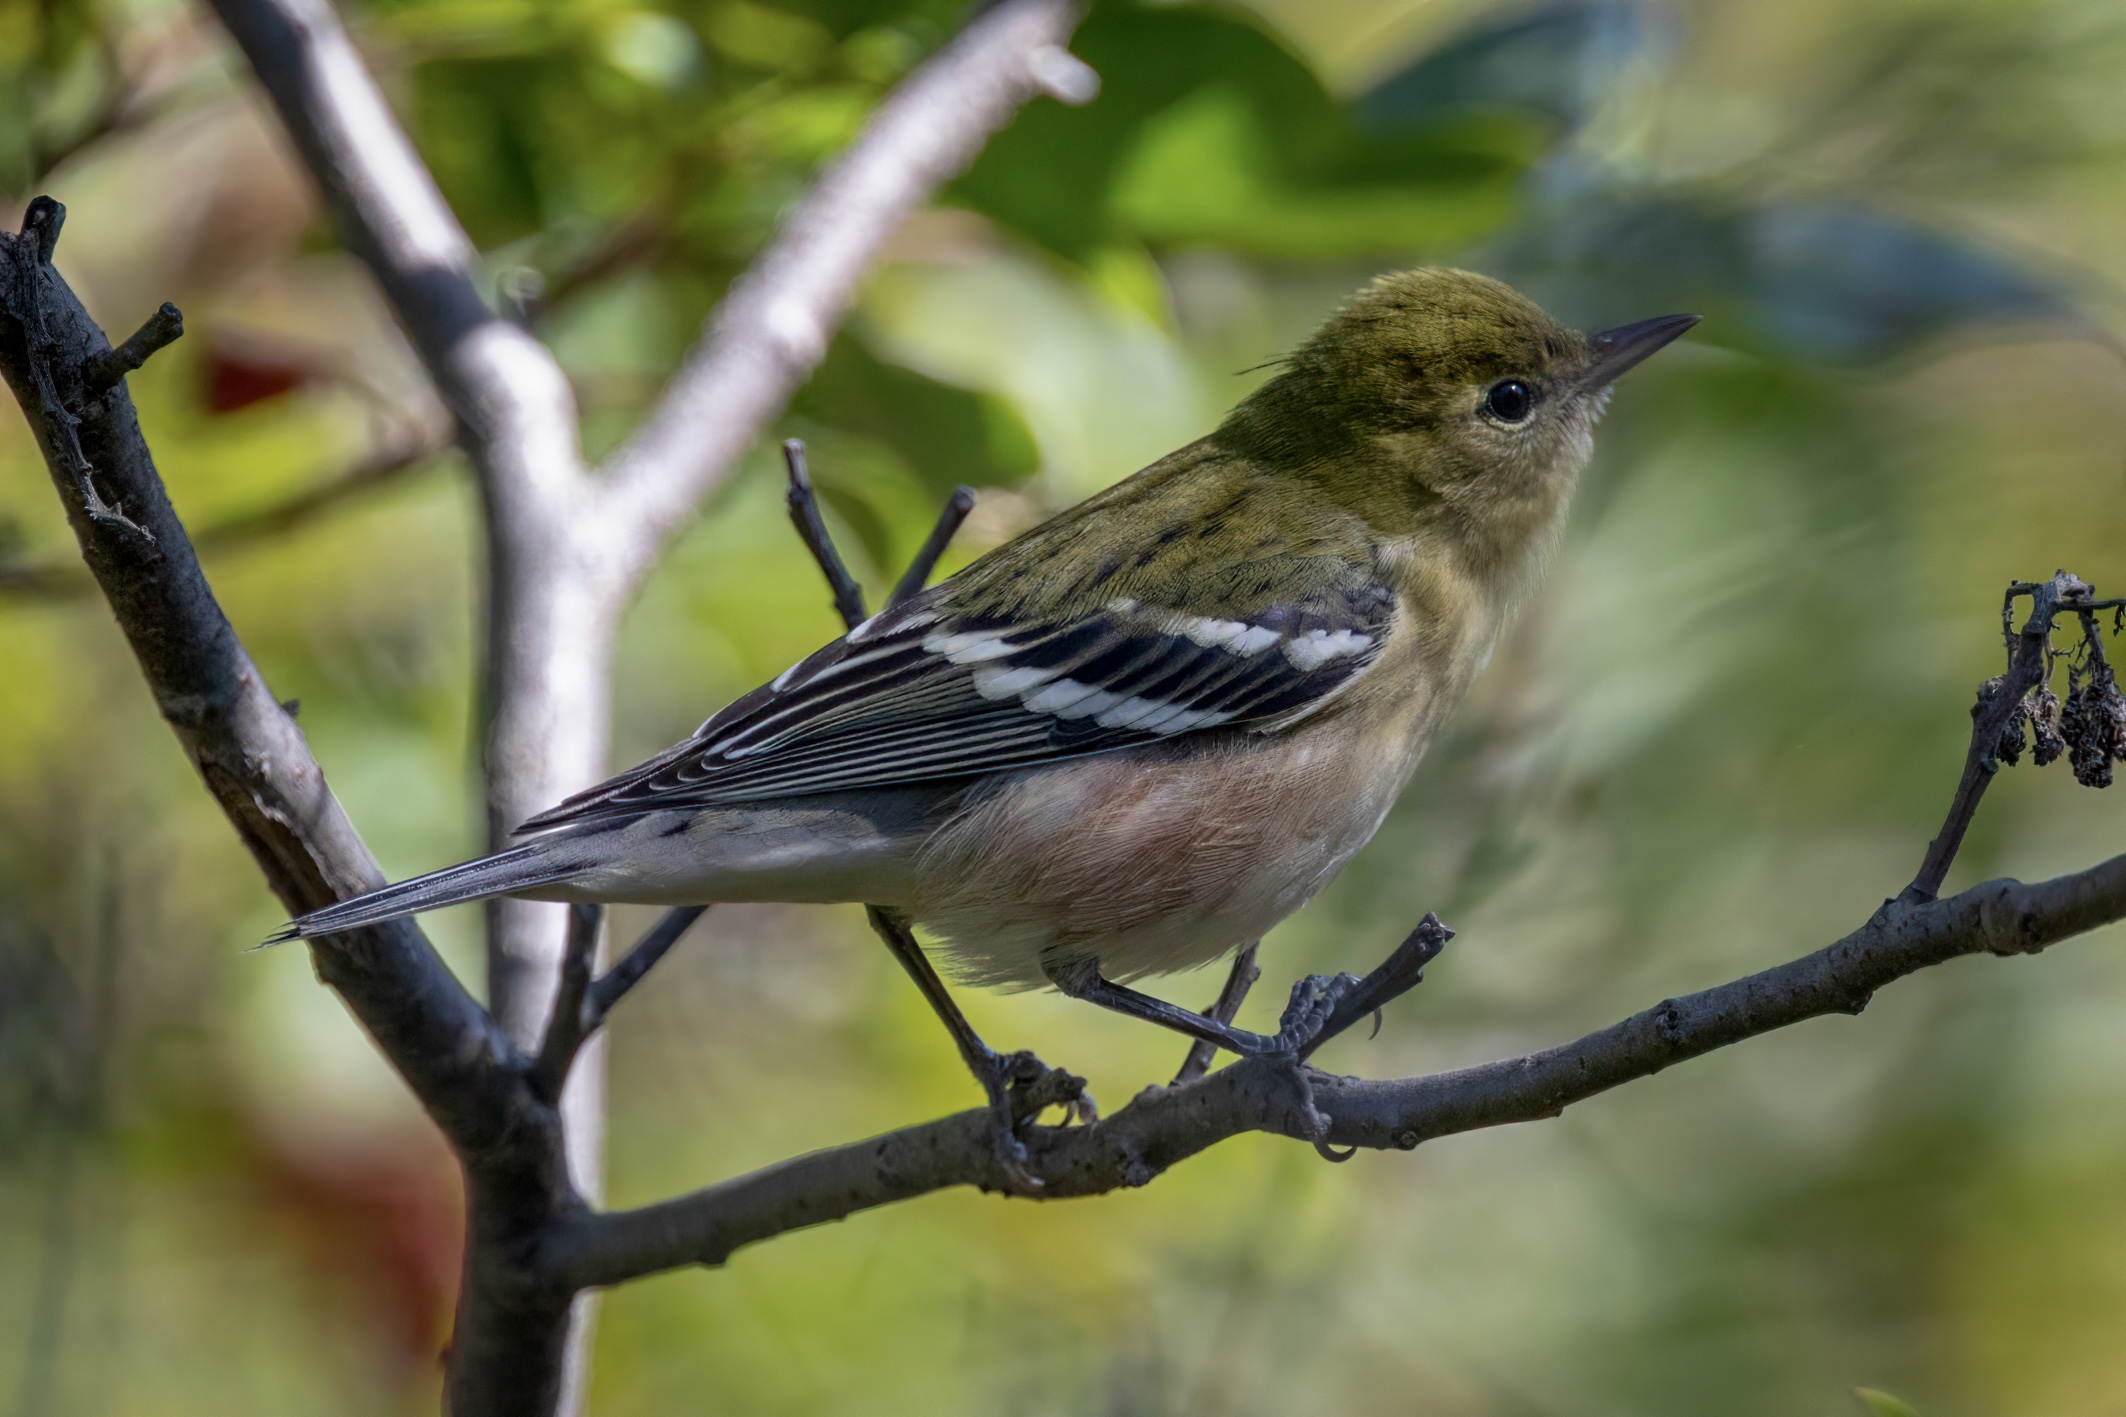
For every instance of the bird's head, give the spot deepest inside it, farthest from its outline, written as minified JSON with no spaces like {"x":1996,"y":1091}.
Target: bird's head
{"x":1445,"y":399}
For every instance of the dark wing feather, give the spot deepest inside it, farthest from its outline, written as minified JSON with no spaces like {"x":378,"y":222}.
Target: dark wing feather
{"x":920,"y":694}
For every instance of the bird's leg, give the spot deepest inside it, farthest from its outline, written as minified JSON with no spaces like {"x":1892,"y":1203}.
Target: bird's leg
{"x":1017,"y":1084}
{"x":1314,"y":1001}
{"x":1242,"y":978}
{"x":1321,"y":1006}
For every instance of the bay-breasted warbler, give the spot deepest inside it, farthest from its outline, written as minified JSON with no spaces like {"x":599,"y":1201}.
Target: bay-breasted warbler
{"x":1142,"y":733}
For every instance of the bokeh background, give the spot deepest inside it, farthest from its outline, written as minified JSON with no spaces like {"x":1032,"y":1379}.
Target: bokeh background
{"x":1721,"y":735}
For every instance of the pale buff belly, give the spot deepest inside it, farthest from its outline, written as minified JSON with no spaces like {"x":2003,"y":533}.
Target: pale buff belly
{"x":1153,"y":861}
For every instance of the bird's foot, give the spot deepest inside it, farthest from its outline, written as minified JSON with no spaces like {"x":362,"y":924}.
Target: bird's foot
{"x":1323,"y":1006}
{"x":1310,"y":1010}
{"x":1020,"y":1087}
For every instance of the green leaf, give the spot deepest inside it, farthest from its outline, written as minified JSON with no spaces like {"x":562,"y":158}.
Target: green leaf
{"x":945,"y":435}
{"x":1208,"y":130}
{"x":1882,"y":1404}
{"x":1049,"y":174}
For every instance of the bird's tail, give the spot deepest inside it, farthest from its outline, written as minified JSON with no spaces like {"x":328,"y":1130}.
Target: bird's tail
{"x":519,"y":868}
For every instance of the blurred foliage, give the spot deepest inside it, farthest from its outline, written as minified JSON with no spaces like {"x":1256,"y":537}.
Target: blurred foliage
{"x":1723,"y":732}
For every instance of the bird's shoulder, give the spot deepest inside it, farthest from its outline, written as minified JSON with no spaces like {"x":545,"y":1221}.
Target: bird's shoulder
{"x":1204,"y":531}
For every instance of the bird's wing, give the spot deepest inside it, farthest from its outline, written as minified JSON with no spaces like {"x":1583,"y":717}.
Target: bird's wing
{"x":920,"y":693}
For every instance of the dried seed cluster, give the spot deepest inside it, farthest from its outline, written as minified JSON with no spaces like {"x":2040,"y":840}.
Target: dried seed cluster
{"x":2089,"y":727}
{"x":2094,"y":723}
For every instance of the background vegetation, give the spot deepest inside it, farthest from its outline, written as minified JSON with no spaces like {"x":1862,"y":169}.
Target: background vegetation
{"x":1720,"y":736}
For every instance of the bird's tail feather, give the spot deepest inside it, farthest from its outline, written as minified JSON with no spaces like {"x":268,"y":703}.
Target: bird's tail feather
{"x":519,"y":868}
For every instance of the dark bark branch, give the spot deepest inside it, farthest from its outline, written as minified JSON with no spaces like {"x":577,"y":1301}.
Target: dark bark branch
{"x":468,"y":1075}
{"x":570,"y":1023}
{"x":159,"y":330}
{"x":1164,"y":1126}
{"x":912,"y":580}
{"x":637,"y":962}
{"x":2029,"y":664}
{"x":581,"y":1004}
{"x":812,"y":530}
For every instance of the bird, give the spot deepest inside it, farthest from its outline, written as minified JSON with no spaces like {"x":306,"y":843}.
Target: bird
{"x":1135,"y":737}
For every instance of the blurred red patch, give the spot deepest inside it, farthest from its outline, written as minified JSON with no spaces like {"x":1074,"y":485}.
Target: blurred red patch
{"x":381,"y":1221}
{"x":241,"y":371}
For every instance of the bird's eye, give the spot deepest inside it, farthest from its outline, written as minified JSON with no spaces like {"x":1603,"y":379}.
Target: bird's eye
{"x":1509,"y":402}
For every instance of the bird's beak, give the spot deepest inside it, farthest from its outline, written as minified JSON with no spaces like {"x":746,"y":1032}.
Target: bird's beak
{"x":1611,"y":352}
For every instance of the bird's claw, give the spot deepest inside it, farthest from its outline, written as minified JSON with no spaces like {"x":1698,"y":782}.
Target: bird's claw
{"x":1312,"y":1005}
{"x":1020,"y":1087}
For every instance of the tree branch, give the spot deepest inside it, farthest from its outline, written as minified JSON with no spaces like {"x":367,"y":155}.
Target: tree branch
{"x":772,"y":329}
{"x":919,"y":571}
{"x":1164,"y":1126}
{"x":811,"y":526}
{"x":581,"y":1004}
{"x":2000,"y":703}
{"x":474,"y":1082}
{"x":159,"y":330}
{"x":246,"y":747}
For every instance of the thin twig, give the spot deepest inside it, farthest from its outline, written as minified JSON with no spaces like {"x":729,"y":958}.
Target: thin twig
{"x":2030,"y":664}
{"x":581,"y":1003}
{"x":569,"y":1023}
{"x":638,"y":961}
{"x":1397,"y":975}
{"x":912,"y":580}
{"x":159,"y":330}
{"x":812,"y":530}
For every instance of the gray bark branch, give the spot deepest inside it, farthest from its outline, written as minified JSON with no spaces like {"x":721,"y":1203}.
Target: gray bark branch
{"x":1166,"y":1125}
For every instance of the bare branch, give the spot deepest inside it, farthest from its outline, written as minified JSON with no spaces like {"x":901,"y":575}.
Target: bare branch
{"x":1164,"y":1126}
{"x":580,"y":1005}
{"x":812,"y":530}
{"x":569,"y":1024}
{"x":637,"y":962}
{"x":246,"y":747}
{"x":771,"y":330}
{"x":161,"y":329}
{"x":2029,"y":665}
{"x":912,"y":580}
{"x":467,"y":1073}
